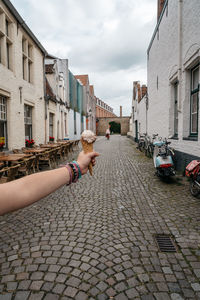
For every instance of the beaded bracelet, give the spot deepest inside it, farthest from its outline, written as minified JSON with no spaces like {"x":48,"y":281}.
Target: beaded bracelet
{"x":79,"y":169}
{"x":74,"y":172}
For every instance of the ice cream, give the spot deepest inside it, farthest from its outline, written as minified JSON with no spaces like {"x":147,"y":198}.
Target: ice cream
{"x":87,"y":140}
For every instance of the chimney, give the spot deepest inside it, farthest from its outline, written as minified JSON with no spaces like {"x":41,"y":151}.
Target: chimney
{"x":120,"y":111}
{"x":160,"y":7}
{"x":144,"y":90}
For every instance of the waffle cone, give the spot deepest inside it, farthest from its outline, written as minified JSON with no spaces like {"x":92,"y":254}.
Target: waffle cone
{"x":87,"y":148}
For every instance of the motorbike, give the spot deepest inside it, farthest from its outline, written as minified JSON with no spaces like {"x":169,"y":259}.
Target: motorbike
{"x":163,"y":159}
{"x":192,"y":171}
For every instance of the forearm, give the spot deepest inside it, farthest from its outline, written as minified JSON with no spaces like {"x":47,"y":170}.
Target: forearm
{"x":29,"y":189}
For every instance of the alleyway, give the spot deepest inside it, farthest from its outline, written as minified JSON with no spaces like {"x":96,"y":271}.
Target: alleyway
{"x":95,"y":239}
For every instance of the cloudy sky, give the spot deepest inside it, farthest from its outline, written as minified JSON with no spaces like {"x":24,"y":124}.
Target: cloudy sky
{"x":106,"y":39}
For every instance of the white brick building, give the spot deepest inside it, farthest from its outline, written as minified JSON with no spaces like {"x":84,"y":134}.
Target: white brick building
{"x":174,"y":77}
{"x":57,"y":98}
{"x":138,"y":121}
{"x":22,"y":107}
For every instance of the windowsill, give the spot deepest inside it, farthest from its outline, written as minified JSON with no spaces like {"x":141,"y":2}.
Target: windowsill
{"x":191,"y":138}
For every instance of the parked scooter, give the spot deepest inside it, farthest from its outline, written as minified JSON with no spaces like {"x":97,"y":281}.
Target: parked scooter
{"x":193,"y":172}
{"x":163,"y":159}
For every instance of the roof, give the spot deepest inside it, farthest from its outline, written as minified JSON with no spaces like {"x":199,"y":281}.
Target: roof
{"x":19,"y":19}
{"x":83,"y":78}
{"x":49,"y":69}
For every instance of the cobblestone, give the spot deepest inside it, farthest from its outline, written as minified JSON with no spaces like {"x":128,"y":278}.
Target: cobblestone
{"x":95,"y":239}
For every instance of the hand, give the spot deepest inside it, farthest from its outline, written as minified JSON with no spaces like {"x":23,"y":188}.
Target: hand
{"x":84,"y":159}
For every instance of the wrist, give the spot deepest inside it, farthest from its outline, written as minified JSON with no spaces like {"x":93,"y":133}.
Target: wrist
{"x":75,"y":172}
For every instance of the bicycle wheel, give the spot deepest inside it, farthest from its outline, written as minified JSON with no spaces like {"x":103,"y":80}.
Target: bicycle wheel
{"x":150,"y":149}
{"x":140,"y":146}
{"x":194,"y":189}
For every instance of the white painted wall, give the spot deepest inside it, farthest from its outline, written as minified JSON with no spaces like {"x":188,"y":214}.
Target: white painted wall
{"x":163,"y":62}
{"x":32,"y":93}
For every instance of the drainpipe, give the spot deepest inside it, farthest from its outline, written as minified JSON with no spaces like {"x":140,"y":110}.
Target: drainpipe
{"x":45,"y":102}
{"x":180,"y":71}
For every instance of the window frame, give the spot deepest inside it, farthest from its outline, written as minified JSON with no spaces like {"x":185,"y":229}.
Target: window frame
{"x":4,"y":120}
{"x":192,"y":93}
{"x":175,"y":85}
{"x":51,"y":124}
{"x":28,"y":121}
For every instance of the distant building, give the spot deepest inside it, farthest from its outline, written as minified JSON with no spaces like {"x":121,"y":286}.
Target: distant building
{"x":103,"y":109}
{"x":22,"y":108}
{"x":90,"y":102}
{"x":78,"y":108}
{"x":56,"y":97}
{"x":138,"y":121}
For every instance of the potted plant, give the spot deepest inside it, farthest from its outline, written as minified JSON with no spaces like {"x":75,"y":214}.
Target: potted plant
{"x":51,"y":138}
{"x":29,"y":143}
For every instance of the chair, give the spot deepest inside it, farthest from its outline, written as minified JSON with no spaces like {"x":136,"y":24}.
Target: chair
{"x":27,"y":166}
{"x":61,"y":152}
{"x":11,"y":173}
{"x":66,"y":149}
{"x":46,"y":158}
{"x":55,"y":153}
{"x":16,"y":151}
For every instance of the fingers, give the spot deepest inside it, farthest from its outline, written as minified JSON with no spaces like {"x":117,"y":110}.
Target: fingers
{"x":93,"y":154}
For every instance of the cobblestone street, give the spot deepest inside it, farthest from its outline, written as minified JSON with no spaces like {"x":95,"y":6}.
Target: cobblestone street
{"x":96,"y":238}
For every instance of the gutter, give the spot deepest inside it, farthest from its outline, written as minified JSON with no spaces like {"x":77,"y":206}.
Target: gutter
{"x":22,"y":23}
{"x":157,"y":26}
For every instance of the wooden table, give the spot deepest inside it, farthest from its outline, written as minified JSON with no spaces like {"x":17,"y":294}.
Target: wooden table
{"x":35,"y":150}
{"x":49,"y":146}
{"x":13,"y":157}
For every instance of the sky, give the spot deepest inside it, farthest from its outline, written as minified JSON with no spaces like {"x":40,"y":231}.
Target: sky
{"x":106,"y":39}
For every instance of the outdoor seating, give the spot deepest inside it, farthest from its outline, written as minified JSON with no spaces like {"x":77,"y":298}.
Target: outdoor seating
{"x":17,"y":151}
{"x":28,"y":166}
{"x":61,"y":152}
{"x":47,"y":158}
{"x":8,"y":174}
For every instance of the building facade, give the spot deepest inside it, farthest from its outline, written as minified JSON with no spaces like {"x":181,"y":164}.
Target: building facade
{"x":174,"y":77}
{"x":138,"y":121}
{"x":103,"y":109}
{"x":78,"y":107}
{"x":89,"y":99}
{"x":56,"y":98}
{"x":22,"y":82}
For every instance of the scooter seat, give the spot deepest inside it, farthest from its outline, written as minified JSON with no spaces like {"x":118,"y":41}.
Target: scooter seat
{"x":159,"y":143}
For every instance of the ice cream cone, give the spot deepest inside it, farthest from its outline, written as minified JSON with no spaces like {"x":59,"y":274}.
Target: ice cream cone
{"x":87,"y":148}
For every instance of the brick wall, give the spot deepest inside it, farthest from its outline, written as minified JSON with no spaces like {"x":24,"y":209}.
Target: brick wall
{"x":103,"y":124}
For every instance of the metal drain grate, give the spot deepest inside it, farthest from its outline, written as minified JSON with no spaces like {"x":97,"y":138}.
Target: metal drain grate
{"x":165,"y":243}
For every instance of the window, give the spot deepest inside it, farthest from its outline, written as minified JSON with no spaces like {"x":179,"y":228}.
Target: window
{"x":194,"y":101}
{"x":6,"y":42}
{"x":8,"y":55}
{"x":176,"y":109}
{"x":51,"y":124}
{"x":3,"y":120}
{"x":65,"y":123}
{"x":7,"y":27}
{"x":28,"y":121}
{"x":27,"y":60}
